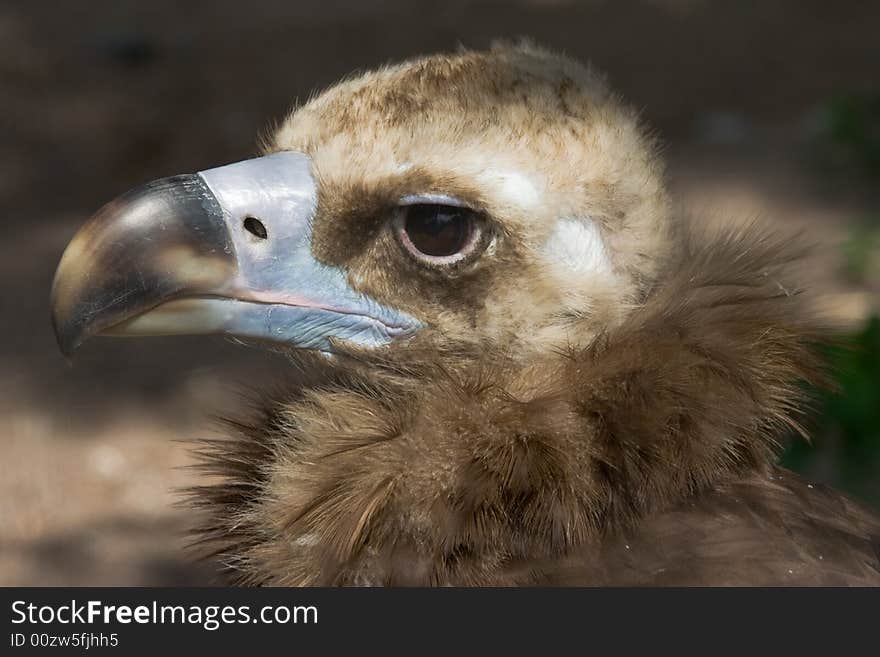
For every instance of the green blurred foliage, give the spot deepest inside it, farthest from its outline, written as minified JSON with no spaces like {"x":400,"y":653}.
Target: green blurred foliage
{"x":845,"y":445}
{"x":858,"y":250}
{"x":848,"y":134}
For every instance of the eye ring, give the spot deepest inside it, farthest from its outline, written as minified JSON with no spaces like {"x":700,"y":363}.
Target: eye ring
{"x":438,"y":234}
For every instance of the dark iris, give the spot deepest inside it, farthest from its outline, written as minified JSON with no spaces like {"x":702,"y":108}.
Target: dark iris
{"x":438,"y":230}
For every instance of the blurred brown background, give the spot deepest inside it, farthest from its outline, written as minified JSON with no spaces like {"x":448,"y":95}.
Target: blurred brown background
{"x":102,"y":95}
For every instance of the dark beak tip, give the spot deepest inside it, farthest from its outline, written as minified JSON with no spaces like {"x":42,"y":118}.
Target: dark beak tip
{"x":69,"y":335}
{"x":113,"y":268}
{"x":68,"y":340}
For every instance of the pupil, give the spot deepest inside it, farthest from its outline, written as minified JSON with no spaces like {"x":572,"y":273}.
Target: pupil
{"x":438,"y":230}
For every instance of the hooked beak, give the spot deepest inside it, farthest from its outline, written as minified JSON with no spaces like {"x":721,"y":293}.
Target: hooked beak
{"x":225,"y":250}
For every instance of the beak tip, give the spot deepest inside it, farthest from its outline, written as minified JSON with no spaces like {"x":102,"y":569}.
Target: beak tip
{"x":68,"y":334}
{"x":68,"y":341}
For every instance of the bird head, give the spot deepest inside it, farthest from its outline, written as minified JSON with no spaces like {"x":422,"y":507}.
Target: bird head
{"x":452,"y":202}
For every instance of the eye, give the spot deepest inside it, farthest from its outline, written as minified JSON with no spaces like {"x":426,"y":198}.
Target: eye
{"x":438,"y":234}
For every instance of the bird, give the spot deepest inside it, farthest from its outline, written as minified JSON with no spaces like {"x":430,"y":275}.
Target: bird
{"x":515,"y":359}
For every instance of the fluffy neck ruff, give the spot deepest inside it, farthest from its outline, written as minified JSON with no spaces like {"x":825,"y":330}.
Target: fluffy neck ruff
{"x":466,"y":469}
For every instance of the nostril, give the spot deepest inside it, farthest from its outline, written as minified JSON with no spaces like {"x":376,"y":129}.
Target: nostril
{"x":255,"y":227}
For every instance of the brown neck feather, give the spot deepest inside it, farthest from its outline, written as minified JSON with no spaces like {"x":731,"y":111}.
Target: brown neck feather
{"x":464,"y":467}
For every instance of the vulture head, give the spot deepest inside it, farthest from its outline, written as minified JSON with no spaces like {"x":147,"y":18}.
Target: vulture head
{"x":450,"y":202}
{"x":514,"y":363}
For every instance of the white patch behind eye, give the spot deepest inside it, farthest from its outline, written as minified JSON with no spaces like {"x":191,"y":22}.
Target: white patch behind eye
{"x":511,"y":186}
{"x":577,"y":245}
